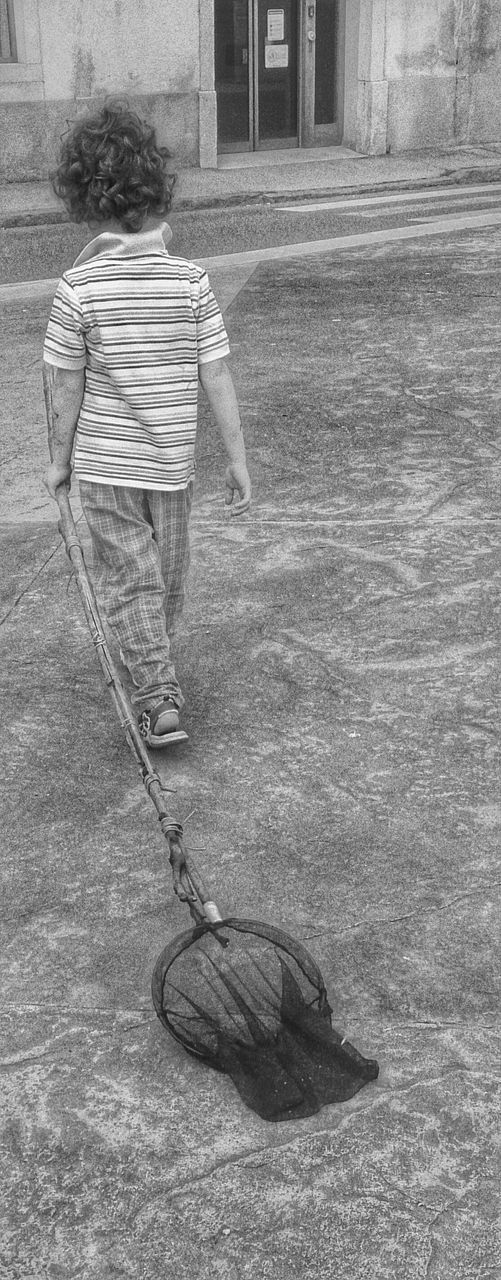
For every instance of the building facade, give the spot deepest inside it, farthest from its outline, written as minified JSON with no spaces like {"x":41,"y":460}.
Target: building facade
{"x":244,"y":75}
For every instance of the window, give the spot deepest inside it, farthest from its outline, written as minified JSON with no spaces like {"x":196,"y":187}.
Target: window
{"x":8,"y":49}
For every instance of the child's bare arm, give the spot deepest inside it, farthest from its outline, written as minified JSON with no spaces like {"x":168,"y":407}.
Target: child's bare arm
{"x":217,"y":383}
{"x":63,"y":391}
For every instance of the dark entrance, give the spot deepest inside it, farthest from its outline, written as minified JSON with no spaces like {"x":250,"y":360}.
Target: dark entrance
{"x":276,"y":73}
{"x":256,"y":74}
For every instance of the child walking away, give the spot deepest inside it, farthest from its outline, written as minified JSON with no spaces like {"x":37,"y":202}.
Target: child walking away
{"x":131,"y":331}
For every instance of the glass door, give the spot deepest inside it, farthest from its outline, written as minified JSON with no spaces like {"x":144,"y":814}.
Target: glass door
{"x":329,"y":39}
{"x":276,"y":67}
{"x":234,"y":74}
{"x":256,"y":74}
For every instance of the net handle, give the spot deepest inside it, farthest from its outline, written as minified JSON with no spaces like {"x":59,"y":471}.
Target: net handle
{"x":190,"y":887}
{"x":188,"y":883}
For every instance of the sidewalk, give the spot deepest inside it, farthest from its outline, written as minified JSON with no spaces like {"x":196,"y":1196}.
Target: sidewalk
{"x":272,"y":175}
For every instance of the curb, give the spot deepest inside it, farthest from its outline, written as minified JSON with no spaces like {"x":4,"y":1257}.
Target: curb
{"x":449,"y":178}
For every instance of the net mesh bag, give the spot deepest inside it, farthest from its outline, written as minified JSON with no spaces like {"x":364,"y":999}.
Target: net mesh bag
{"x":250,"y":1001}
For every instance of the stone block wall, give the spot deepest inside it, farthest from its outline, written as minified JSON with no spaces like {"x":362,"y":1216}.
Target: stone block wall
{"x":443,"y":68}
{"x":418,"y":74}
{"x":71,"y":54}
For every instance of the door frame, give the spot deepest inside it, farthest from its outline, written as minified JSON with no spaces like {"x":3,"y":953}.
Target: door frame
{"x":309,"y":133}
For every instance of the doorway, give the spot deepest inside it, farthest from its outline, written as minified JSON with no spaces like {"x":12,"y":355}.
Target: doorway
{"x":256,"y":74}
{"x":277,"y":74}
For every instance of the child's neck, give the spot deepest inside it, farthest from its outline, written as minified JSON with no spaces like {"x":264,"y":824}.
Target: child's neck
{"x":114,"y":227}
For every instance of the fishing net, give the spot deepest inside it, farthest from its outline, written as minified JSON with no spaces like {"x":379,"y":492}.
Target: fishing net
{"x":238,"y":994}
{"x":250,"y":1001}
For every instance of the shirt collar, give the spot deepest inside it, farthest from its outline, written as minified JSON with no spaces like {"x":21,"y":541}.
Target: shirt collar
{"x":127,"y":244}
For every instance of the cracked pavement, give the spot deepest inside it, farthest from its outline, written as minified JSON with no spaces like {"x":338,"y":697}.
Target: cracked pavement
{"x":339,"y":656}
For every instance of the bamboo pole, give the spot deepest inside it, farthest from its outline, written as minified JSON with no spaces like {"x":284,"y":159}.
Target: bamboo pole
{"x":188,"y":883}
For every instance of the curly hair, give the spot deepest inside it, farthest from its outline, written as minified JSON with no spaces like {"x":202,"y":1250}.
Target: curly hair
{"x":112,"y":169}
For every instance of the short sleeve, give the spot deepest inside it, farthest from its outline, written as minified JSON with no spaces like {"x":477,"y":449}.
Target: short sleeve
{"x":212,"y":339}
{"x":64,"y":344}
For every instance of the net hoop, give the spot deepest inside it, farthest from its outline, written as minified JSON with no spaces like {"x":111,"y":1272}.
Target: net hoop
{"x":268,"y":932}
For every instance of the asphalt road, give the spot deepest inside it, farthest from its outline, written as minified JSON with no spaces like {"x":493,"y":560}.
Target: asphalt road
{"x":44,"y":252}
{"x":339,"y":653}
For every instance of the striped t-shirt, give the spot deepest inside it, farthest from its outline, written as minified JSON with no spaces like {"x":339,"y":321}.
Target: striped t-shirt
{"x":140,"y":323}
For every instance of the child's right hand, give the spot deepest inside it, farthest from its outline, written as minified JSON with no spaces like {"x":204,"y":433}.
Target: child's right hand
{"x":57,"y":474}
{"x":237,"y":480}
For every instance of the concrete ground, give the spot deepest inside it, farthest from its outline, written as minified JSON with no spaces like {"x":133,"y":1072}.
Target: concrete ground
{"x":339,"y":660}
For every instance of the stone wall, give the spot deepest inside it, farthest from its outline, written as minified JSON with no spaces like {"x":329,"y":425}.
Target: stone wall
{"x":443,"y":68}
{"x":70,"y":54}
{"x":418,"y":74}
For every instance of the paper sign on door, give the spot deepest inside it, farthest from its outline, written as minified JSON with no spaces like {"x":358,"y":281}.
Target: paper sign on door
{"x":276,"y":55}
{"x":275,"y":24}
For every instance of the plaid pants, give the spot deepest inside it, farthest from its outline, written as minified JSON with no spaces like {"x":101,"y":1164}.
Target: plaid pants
{"x":141,"y":555}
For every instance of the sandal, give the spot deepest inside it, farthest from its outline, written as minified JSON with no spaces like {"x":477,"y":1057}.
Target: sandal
{"x":156,"y":724}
